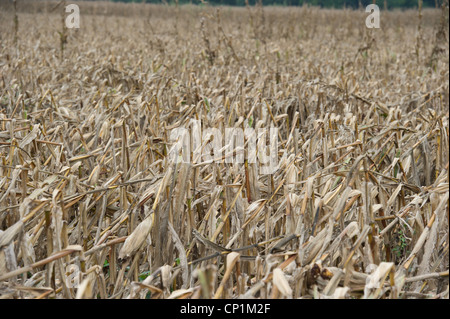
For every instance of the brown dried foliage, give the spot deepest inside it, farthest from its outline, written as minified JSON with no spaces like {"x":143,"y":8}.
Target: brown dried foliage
{"x":358,"y":207}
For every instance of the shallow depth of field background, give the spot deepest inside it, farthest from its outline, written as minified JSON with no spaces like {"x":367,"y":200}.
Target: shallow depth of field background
{"x":90,"y":206}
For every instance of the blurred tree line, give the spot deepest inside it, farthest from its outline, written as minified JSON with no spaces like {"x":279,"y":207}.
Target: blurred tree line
{"x":320,"y":3}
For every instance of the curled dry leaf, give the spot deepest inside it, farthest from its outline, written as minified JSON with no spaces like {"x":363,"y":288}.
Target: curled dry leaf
{"x":181,"y":293}
{"x":137,"y":238}
{"x":280,"y":281}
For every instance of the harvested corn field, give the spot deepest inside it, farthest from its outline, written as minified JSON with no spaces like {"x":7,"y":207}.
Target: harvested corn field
{"x":119,"y":177}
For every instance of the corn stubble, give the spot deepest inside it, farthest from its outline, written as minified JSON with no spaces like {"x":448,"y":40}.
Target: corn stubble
{"x":357,"y":209}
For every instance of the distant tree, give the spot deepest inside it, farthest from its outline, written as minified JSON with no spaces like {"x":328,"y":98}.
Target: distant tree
{"x":320,"y":3}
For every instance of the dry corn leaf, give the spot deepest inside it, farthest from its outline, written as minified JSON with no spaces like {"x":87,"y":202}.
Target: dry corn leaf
{"x":136,"y":238}
{"x":280,"y":281}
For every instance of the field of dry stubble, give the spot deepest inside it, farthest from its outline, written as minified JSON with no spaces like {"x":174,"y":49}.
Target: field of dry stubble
{"x":91,"y":207}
